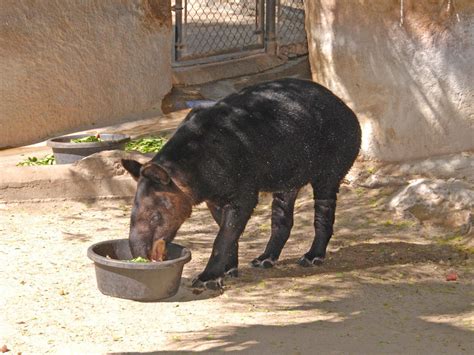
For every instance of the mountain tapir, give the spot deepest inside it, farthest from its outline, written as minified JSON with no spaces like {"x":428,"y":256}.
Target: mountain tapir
{"x":275,"y":136}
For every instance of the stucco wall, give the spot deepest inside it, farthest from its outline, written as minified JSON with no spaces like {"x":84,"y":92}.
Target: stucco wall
{"x":68,"y":64}
{"x":409,"y":78}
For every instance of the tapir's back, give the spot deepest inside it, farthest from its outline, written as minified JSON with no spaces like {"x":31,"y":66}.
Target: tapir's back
{"x":296,"y":127}
{"x":281,"y":134}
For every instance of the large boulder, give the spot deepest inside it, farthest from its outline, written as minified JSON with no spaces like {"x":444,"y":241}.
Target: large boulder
{"x":446,"y":202}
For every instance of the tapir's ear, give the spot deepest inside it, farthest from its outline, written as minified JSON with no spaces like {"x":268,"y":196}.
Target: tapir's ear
{"x":133,"y":167}
{"x":155,"y":173}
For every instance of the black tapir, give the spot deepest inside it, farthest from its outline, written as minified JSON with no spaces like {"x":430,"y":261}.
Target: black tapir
{"x":276,"y":136}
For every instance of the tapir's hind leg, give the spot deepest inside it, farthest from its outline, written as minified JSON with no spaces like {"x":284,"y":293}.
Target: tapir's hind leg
{"x":282,"y":220}
{"x":324,"y":215}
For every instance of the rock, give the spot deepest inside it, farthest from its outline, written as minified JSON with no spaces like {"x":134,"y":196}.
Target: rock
{"x":459,"y":166}
{"x":375,"y":181}
{"x":446,"y":202}
{"x":217,"y":90}
{"x":452,"y":276}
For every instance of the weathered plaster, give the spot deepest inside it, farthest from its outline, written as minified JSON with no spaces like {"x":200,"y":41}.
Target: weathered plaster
{"x":69,"y":65}
{"x":408,"y":77}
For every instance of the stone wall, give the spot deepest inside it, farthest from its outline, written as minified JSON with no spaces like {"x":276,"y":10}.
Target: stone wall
{"x":69,"y":65}
{"x":406,"y":68}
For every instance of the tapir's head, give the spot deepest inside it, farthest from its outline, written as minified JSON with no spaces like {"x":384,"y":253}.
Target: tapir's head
{"x":159,"y":208}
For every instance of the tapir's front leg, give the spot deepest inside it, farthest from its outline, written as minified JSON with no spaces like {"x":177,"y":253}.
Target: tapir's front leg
{"x":233,"y":221}
{"x":231,"y":268}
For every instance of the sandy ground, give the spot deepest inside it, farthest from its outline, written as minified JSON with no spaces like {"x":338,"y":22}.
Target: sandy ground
{"x":383,"y":288}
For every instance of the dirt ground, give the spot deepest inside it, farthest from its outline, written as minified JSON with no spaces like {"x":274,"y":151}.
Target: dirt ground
{"x":383,"y":288}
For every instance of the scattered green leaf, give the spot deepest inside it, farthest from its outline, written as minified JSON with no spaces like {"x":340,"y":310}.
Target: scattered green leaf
{"x":399,"y":224}
{"x":458,"y":242}
{"x":34,"y":161}
{"x":374,"y":203}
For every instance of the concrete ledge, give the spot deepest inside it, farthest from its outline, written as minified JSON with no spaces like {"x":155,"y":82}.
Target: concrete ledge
{"x":97,"y":176}
{"x":204,"y":73}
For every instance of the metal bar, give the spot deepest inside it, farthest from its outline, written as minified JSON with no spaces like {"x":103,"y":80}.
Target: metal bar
{"x":278,"y":17}
{"x":270,"y":27}
{"x":260,"y":8}
{"x":260,"y":20}
{"x":231,"y":55}
{"x":178,"y":30}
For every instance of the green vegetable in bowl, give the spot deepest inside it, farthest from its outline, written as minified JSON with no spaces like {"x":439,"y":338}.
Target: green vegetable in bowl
{"x":139,"y":260}
{"x":146,"y":145}
{"x":87,"y":139}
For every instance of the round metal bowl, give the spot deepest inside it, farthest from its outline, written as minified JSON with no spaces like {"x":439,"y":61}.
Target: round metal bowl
{"x":66,"y":152}
{"x":152,"y":281}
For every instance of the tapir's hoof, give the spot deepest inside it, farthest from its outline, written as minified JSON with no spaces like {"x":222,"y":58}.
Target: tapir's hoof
{"x":266,"y":263}
{"x":305,"y":262}
{"x":215,"y":284}
{"x":234,"y":272}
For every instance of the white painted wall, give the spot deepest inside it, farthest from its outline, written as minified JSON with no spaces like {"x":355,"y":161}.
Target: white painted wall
{"x":409,"y":77}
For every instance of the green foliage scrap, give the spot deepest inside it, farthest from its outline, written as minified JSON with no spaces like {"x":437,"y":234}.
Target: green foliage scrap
{"x":139,"y":260}
{"x":146,"y":145}
{"x":399,"y":224}
{"x":88,"y":139}
{"x":34,"y":161}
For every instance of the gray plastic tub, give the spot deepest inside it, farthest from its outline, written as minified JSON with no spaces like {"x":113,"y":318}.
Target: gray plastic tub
{"x":136,"y":281}
{"x":66,"y":152}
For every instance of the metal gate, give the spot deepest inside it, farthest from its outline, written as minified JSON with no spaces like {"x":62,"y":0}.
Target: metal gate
{"x":290,"y":28}
{"x":211,"y":30}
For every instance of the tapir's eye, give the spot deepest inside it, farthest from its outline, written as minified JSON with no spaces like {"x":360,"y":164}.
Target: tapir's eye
{"x":193,"y":145}
{"x":156,"y":219}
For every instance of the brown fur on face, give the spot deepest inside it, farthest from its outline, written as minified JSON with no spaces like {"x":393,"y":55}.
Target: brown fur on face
{"x":160,"y":207}
{"x":175,"y":208}
{"x":157,"y":214}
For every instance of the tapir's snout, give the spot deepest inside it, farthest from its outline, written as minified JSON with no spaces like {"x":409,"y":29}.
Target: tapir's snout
{"x":158,"y":250}
{"x":140,"y":246}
